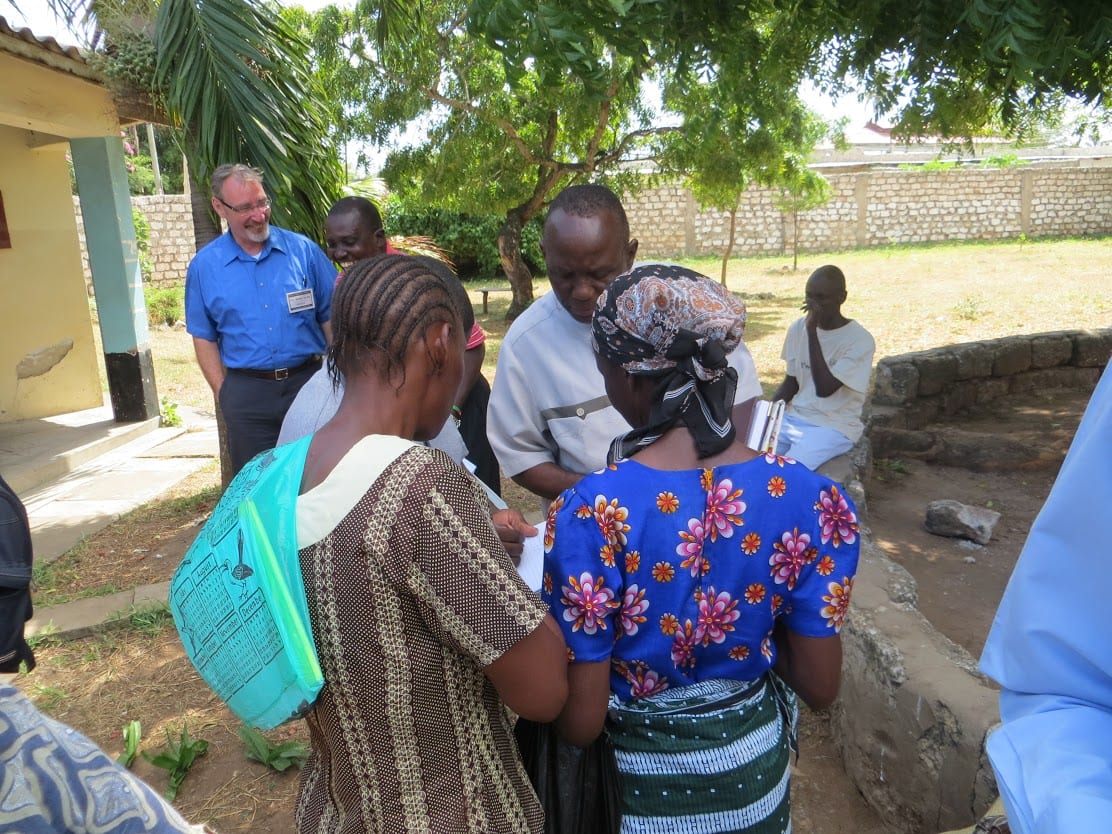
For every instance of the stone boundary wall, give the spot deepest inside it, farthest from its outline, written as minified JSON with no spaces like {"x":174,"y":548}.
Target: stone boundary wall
{"x":912,"y":701}
{"x":171,"y":236}
{"x":875,"y":207}
{"x":882,"y":206}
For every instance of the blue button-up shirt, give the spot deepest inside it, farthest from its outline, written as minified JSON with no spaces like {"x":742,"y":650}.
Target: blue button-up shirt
{"x":263,"y":312}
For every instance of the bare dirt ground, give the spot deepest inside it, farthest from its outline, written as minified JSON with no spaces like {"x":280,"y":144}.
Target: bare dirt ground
{"x":960,"y":585}
{"x":100,"y":683}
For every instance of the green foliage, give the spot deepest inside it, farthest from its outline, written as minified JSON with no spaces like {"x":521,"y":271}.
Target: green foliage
{"x":935,"y":165}
{"x":970,"y":308}
{"x":165,"y":305}
{"x":169,"y":413}
{"x":149,"y":619}
{"x":140,"y":175}
{"x":890,"y":469}
{"x":499,"y":137}
{"x":126,"y":56}
{"x":1006,"y":160}
{"x":132,"y":733}
{"x":278,"y":757}
{"x":170,"y":160}
{"x":949,"y":67}
{"x":178,"y":758}
{"x":143,"y":242}
{"x":49,"y":698}
{"x":800,"y":190}
{"x":46,"y":636}
{"x":237,"y":83}
{"x":953,"y":67}
{"x":471,"y":241}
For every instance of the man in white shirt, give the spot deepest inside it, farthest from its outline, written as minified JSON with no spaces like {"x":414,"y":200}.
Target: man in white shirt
{"x":549,"y":420}
{"x":829,"y":359}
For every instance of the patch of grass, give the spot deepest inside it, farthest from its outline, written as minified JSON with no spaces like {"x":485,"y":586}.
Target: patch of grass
{"x":125,"y":554}
{"x":45,"y":638}
{"x":178,"y":759}
{"x":969,"y":308}
{"x":890,"y":469}
{"x":49,"y":698}
{"x":148,"y":619}
{"x":278,"y":757}
{"x":46,"y":580}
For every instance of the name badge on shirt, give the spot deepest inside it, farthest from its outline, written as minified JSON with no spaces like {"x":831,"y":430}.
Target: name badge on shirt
{"x":300,"y":301}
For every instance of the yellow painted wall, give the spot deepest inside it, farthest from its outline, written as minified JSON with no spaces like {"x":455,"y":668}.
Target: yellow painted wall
{"x":43,"y":302}
{"x":52,"y":102}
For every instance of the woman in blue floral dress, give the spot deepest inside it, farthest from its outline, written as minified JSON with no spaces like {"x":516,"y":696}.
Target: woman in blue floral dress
{"x":694,"y":578}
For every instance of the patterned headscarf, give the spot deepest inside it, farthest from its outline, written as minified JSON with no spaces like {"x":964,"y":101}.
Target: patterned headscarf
{"x":678,"y":326}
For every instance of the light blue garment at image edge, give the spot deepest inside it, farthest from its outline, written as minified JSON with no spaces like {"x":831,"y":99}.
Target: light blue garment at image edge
{"x":1050,"y":648}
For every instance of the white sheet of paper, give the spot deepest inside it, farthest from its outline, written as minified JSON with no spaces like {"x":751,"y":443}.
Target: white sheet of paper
{"x":531,"y":566}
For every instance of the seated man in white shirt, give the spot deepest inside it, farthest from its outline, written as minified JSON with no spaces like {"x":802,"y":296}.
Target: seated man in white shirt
{"x":829,"y":359}
{"x":549,"y":419}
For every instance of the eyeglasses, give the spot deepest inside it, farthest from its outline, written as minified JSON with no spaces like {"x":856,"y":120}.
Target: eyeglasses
{"x":259,"y":206}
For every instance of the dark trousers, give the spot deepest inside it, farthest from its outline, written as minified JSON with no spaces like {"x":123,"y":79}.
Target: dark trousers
{"x":253,"y":410}
{"x":472,"y":427}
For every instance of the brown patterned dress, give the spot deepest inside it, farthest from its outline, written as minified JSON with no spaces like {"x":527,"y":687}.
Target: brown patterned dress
{"x":411,"y":595}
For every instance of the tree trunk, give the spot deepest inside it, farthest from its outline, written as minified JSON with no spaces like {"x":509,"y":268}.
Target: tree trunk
{"x":795,"y":241}
{"x":509,"y":250}
{"x":205,"y":227}
{"x":730,"y":242}
{"x":153,"y":153}
{"x":205,"y":230}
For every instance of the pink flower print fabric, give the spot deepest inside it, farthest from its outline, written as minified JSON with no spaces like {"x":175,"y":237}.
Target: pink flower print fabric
{"x":677,"y":577}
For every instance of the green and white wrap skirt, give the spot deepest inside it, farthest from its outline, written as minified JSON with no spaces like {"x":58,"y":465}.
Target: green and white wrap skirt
{"x":706,"y":758}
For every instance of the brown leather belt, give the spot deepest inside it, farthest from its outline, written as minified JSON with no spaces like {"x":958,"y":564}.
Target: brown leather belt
{"x":278,"y":374}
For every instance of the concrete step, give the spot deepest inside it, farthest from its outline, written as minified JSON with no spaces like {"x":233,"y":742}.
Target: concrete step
{"x":34,"y":453}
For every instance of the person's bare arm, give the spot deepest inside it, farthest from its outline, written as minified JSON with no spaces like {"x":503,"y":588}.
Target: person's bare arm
{"x":788,"y":389}
{"x":472,"y":367}
{"x":547,"y":479}
{"x":212,"y":368}
{"x":825,"y":382}
{"x":326,"y":329}
{"x":584,"y":715}
{"x":531,"y":676}
{"x":812,"y":666}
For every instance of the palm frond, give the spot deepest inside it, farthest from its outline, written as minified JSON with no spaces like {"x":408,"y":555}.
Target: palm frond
{"x":236,"y":80}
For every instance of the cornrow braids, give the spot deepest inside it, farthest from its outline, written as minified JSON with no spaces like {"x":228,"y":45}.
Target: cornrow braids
{"x":455,"y":287}
{"x":381,"y":305}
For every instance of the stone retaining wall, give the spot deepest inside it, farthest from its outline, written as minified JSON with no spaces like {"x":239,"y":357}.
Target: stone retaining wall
{"x":913,"y":390}
{"x":914,"y":712}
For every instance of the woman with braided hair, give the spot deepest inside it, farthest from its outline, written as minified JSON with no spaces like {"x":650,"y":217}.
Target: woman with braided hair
{"x":698,"y":584}
{"x":424,"y":631}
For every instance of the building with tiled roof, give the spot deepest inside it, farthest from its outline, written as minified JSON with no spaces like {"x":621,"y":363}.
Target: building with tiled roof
{"x":57,"y":111}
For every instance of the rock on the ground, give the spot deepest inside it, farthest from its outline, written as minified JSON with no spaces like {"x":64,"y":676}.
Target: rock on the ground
{"x":960,"y":521}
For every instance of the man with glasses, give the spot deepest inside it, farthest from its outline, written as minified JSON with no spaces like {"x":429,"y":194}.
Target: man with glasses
{"x":257,"y":303}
